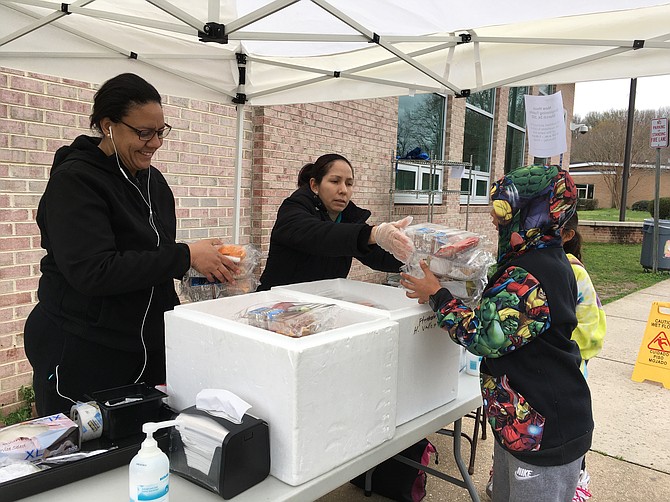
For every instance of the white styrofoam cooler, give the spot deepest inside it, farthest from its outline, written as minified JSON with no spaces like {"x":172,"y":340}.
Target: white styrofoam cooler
{"x":327,"y":397}
{"x":428,"y":360}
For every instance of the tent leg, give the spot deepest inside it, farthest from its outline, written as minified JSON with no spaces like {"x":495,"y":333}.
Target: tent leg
{"x":238,"y":172}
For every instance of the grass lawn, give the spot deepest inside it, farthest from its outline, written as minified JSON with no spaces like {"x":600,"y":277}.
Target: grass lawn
{"x":612,"y":214}
{"x":615,"y":269}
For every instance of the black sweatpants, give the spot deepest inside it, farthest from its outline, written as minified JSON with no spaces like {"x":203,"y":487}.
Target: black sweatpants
{"x":67,"y":367}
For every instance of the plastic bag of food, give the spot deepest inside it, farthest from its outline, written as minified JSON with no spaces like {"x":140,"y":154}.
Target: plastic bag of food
{"x":247,"y":257}
{"x":459,"y":259}
{"x":294,"y":319}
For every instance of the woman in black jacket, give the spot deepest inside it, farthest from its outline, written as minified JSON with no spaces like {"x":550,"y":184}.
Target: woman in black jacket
{"x":319,"y":230}
{"x":107,"y":222}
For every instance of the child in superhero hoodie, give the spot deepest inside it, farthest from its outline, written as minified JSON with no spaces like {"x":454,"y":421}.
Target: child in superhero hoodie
{"x":535,"y":396}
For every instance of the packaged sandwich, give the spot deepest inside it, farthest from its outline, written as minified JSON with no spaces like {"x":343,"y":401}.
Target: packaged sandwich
{"x":294,"y":319}
{"x":247,"y":258}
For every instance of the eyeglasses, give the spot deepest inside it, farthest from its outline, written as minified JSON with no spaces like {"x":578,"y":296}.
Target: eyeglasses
{"x":148,"y":134}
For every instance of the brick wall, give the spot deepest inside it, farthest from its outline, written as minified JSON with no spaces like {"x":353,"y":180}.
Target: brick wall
{"x":287,"y":137}
{"x":38,"y":114}
{"x":641,"y":185}
{"x":612,"y":232}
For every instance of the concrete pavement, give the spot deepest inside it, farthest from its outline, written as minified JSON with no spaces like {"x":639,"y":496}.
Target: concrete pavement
{"x":630,"y":456}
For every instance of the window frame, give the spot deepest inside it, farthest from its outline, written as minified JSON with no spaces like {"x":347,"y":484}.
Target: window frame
{"x":419,"y":194}
{"x":515,"y":127}
{"x":473,"y":175}
{"x":587,"y":189}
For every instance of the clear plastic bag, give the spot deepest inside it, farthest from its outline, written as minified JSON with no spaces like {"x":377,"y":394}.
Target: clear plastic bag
{"x":196,"y":287}
{"x":294,"y":319}
{"x":458,"y":258}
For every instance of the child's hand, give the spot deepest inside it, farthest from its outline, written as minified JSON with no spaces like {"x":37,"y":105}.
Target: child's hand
{"x":420,"y":288}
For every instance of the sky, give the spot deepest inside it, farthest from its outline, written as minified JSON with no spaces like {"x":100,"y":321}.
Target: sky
{"x":652,"y":93}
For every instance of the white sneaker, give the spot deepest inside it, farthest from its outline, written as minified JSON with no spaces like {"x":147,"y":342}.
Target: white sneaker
{"x":489,"y":485}
{"x":582,"y":493}
{"x":584,"y":480}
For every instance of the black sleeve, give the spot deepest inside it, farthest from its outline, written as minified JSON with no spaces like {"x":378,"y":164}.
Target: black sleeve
{"x":301,"y":227}
{"x":77,"y":220}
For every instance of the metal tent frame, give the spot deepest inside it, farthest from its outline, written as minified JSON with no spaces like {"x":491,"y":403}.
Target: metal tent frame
{"x":256,"y":52}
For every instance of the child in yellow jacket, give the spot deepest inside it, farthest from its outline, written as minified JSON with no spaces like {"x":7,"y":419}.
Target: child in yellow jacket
{"x":591,"y":323}
{"x":592,"y":326}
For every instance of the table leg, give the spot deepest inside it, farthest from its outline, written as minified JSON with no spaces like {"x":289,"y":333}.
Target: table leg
{"x":466,"y":482}
{"x":469,"y":485}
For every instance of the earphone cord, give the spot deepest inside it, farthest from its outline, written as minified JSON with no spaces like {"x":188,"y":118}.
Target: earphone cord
{"x":158,"y":241}
{"x":147,"y":202}
{"x":58,"y":388}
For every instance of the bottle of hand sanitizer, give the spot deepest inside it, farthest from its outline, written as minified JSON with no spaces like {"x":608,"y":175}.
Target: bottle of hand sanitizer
{"x":149,"y":471}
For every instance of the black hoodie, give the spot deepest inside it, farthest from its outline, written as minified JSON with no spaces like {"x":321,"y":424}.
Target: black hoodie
{"x":306,"y":245}
{"x":105,"y":263}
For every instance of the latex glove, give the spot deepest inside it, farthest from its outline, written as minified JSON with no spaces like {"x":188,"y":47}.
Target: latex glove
{"x":392,"y":238}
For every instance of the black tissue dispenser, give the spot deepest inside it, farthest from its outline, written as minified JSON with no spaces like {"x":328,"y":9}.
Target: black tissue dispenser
{"x":218,"y":454}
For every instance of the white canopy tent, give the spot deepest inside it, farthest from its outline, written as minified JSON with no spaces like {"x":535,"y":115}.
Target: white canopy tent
{"x":297,"y":51}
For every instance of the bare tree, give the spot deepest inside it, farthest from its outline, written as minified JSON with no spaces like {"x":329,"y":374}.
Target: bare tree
{"x":421,"y":126}
{"x":605,"y":142}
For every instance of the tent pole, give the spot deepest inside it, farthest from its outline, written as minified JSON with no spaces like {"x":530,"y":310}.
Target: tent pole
{"x":238,"y":172}
{"x":240,"y":99}
{"x":627,"y":153}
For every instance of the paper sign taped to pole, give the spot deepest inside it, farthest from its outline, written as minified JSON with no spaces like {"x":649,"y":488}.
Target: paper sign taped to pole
{"x":653,"y":358}
{"x":545,"y":123}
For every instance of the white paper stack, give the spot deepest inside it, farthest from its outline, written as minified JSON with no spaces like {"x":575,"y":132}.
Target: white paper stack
{"x":201,"y":436}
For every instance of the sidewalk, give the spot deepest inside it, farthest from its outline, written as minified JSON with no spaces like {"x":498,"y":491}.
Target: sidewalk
{"x":629,"y":460}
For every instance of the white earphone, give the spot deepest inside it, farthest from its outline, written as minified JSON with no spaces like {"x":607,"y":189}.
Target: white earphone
{"x":158,"y":241}
{"x":147,"y":202}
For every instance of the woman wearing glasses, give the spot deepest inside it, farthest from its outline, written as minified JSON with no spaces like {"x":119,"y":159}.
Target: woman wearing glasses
{"x":108,"y":225}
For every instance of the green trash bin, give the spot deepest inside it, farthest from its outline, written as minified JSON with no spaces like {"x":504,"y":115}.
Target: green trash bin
{"x":647,"y":256}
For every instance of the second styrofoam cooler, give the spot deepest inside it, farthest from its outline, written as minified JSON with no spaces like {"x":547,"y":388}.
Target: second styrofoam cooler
{"x":327,"y":397}
{"x":428,"y":360}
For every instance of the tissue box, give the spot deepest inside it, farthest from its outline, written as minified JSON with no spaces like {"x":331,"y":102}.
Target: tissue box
{"x":428,"y":360}
{"x":240,"y":461}
{"x":327,"y":397}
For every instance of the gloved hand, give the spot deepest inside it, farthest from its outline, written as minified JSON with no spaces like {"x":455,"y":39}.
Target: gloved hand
{"x":392,"y":238}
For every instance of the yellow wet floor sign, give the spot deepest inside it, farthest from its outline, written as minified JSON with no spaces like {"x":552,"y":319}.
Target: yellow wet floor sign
{"x":653,"y":358}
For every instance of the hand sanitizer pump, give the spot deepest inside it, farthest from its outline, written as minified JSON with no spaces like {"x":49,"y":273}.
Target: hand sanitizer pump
{"x":149,"y":470}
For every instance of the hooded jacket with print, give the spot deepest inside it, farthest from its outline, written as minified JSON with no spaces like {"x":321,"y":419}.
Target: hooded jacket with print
{"x":104,"y":262}
{"x":535,"y":396}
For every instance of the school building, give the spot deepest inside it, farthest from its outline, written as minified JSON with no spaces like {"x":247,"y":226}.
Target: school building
{"x":470,"y":142}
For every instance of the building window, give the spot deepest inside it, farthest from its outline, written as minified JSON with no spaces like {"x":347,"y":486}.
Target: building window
{"x":516,"y":129}
{"x":546,"y":89}
{"x":421,"y":126}
{"x":416,"y":181}
{"x":585,"y":191}
{"x":420,"y":147}
{"x":477,"y":146}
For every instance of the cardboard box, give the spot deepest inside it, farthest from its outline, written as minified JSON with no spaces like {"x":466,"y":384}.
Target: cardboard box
{"x":327,"y":397}
{"x":428,"y":360}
